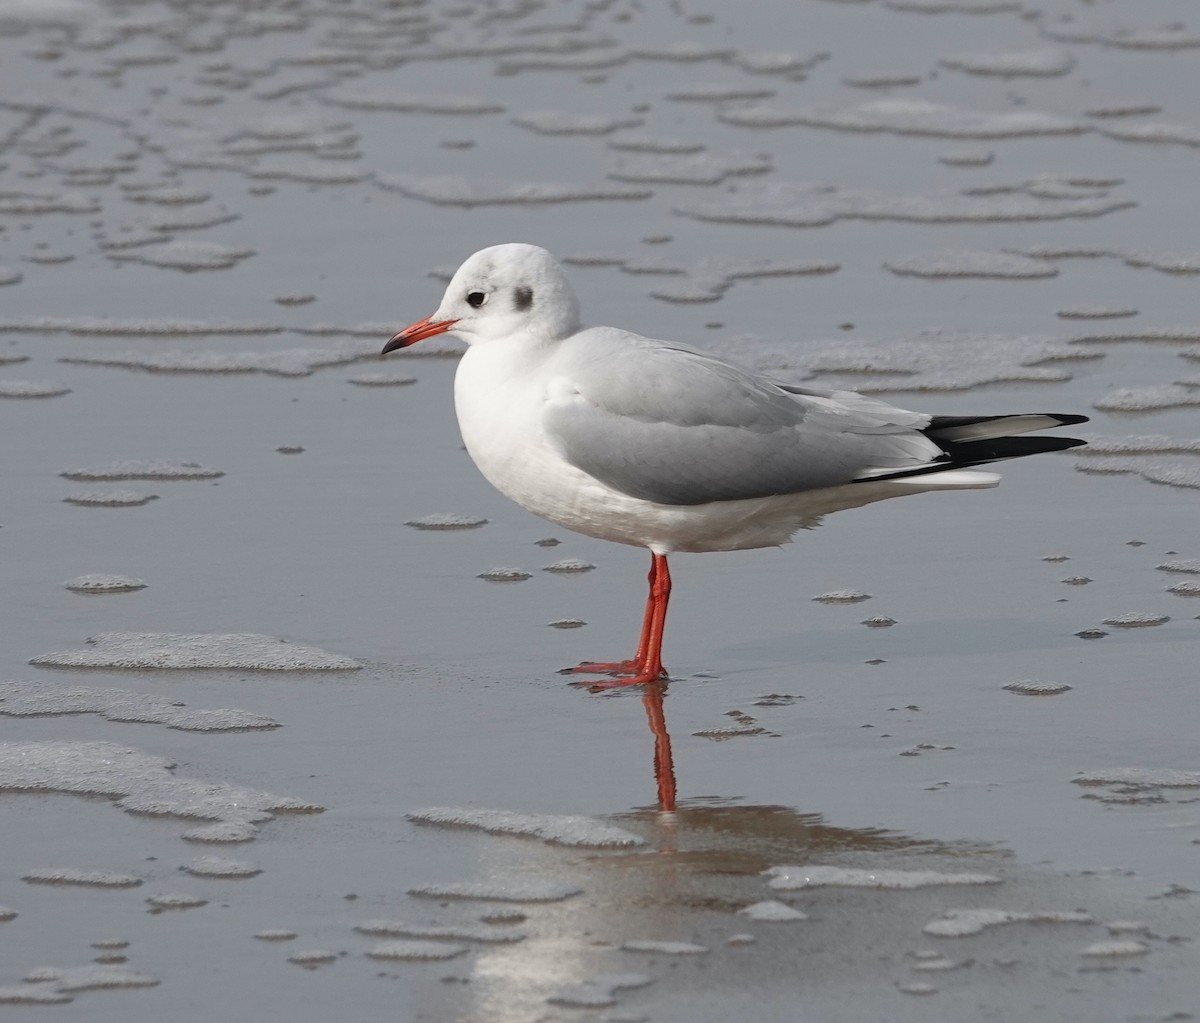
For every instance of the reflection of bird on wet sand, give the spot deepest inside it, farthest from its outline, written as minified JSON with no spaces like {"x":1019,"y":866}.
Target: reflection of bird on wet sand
{"x":658,"y":445}
{"x":664,"y":764}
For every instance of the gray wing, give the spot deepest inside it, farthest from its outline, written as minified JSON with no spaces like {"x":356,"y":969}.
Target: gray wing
{"x":673,"y":425}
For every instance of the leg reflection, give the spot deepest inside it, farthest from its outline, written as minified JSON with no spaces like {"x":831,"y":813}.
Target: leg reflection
{"x":664,"y":766}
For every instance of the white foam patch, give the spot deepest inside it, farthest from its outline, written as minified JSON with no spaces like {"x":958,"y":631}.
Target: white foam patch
{"x":137,"y":782}
{"x":291,"y":362}
{"x":777,"y":62}
{"x":311,"y":958}
{"x":587,"y":60}
{"x":955,"y":6}
{"x":842,"y":597}
{"x":1185,"y":589}
{"x":32,"y":389}
{"x":697,"y":169}
{"x":907,"y":116}
{"x":1152,"y":444}
{"x":801,"y":204}
{"x":415,"y":951}
{"x":243,"y":651}
{"x":87,"y":326}
{"x":176,"y":900}
{"x":381,"y":380}
{"x":221,"y":867}
{"x":1096,"y":312}
{"x":558,"y":829}
{"x":83,"y":878}
{"x":505,"y":575}
{"x":447,"y":520}
{"x":89,"y":978}
{"x":793,"y":878}
{"x":635,"y":143}
{"x":730,"y":732}
{"x":309,"y":170}
{"x":1136,"y":620}
{"x":401,"y":102}
{"x":569,"y":566}
{"x":110,"y":498}
{"x":772,"y":911}
{"x":41,"y":699}
{"x":1159,"y":132}
{"x":1148,"y":399}
{"x":100,"y":582}
{"x":1115,"y":949}
{"x":708,"y":278}
{"x":461,"y":191}
{"x":1140,"y":777}
{"x":185,"y":255}
{"x":666,"y":948}
{"x":959,"y":923}
{"x":599,"y":992}
{"x":880,"y":80}
{"x":502,"y":890}
{"x":1037,"y":687}
{"x":718,"y":92}
{"x":1189,"y":566}
{"x":483,"y":934}
{"x":559,"y":122}
{"x":165,"y":195}
{"x":939,"y":964}
{"x":1117,"y":32}
{"x":931,"y":361}
{"x":1169,"y":335}
{"x":1040,"y":63}
{"x":1186,"y":477}
{"x":32,"y":994}
{"x":682,"y":52}
{"x":878,"y":622}
{"x":276,"y":934}
{"x":24,"y":203}
{"x":972,"y":263}
{"x":1128,"y":927}
{"x":137,"y":469}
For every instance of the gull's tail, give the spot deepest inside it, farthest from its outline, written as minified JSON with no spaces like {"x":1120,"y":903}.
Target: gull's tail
{"x":977,"y":440}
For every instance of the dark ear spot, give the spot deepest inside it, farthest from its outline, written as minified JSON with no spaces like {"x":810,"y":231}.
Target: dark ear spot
{"x":522,"y":298}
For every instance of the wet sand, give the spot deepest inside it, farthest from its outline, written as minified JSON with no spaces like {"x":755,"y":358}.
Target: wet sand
{"x":212,"y":219}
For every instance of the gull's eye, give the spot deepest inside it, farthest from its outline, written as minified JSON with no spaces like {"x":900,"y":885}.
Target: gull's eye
{"x":475,"y":299}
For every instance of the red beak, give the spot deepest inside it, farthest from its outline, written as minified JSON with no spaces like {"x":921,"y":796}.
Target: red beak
{"x":418,"y":331}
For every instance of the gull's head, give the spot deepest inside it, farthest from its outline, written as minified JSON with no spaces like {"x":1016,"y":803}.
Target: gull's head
{"x":501,"y":292}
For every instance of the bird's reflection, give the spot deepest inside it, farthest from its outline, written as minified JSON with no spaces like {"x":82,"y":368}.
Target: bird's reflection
{"x":664,"y":764}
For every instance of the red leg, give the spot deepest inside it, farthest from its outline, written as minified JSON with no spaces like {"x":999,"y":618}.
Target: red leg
{"x":664,"y":765}
{"x":636,"y":665}
{"x":649,"y":666}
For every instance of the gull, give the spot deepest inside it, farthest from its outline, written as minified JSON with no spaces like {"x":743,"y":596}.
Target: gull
{"x":660,"y":445}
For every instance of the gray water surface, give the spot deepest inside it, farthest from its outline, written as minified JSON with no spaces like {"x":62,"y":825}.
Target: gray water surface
{"x":212,"y":216}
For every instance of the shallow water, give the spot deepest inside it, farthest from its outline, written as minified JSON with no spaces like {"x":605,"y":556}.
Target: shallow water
{"x":212,"y":217}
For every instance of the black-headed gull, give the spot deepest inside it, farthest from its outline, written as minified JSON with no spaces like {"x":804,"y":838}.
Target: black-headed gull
{"x":660,"y":445}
